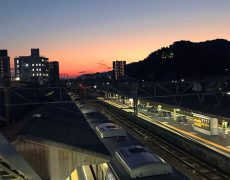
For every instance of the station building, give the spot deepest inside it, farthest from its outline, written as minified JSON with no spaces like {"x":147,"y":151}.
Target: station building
{"x":57,"y":141}
{"x":12,"y":165}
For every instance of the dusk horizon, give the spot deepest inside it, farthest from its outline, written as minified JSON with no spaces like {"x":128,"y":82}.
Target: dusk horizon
{"x":103,"y":67}
{"x":85,"y":37}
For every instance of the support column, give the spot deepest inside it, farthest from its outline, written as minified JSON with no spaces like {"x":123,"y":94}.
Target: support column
{"x":135,"y":98}
{"x":174,"y":114}
{"x":7,"y":94}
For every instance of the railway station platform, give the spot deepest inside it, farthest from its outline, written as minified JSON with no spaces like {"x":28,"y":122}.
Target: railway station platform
{"x":219,"y":143}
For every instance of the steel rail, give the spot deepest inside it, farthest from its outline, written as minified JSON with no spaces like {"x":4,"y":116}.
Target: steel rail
{"x":207,"y":171}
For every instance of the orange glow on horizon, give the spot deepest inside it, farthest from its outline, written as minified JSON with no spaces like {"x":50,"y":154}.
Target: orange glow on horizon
{"x":96,"y":56}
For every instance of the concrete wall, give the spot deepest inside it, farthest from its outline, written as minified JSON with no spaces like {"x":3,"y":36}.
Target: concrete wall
{"x":51,"y":162}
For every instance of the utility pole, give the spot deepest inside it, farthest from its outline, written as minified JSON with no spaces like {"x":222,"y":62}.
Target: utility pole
{"x":107,"y":92}
{"x":7,"y":94}
{"x":85,"y":96}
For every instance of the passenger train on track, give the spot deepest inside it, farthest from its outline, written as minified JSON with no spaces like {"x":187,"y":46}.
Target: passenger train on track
{"x":129,"y":158}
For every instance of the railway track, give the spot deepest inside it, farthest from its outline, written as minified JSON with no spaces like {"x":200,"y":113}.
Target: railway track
{"x":190,"y":166}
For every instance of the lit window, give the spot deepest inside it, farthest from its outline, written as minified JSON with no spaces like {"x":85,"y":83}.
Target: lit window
{"x":39,"y":69}
{"x":32,"y":69}
{"x":37,"y":74}
{"x":32,"y":64}
{"x":39,"y":64}
{"x":17,"y":61}
{"x":42,"y":60}
{"x":26,"y":64}
{"x":36,"y":64}
{"x":33,"y":74}
{"x":40,"y":74}
{"x":17,"y":66}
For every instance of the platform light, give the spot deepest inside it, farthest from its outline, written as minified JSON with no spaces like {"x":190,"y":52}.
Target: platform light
{"x":131,"y":100}
{"x":159,"y":107}
{"x":200,"y":115}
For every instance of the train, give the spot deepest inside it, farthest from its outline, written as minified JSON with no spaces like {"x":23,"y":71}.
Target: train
{"x":106,"y":130}
{"x":139,"y":162}
{"x":130,"y":159}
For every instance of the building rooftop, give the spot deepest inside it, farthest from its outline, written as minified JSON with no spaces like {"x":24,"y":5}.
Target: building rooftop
{"x":62,"y":125}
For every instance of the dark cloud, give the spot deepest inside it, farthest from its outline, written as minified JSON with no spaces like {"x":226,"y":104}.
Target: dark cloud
{"x":103,"y":65}
{"x":83,"y":72}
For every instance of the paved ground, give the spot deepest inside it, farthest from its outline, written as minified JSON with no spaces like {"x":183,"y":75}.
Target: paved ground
{"x":220,"y":142}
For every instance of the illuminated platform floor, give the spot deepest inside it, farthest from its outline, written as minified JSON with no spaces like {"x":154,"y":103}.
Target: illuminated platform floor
{"x":220,"y":143}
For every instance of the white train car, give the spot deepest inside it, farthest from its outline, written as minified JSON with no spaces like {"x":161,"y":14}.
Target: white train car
{"x":91,"y":114}
{"x":85,"y":109}
{"x":106,"y":130}
{"x":138,"y":162}
{"x":129,"y":159}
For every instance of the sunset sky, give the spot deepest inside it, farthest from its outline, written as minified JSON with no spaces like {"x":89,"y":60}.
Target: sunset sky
{"x":87,"y":35}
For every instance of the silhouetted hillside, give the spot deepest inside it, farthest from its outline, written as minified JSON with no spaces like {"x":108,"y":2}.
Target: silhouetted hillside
{"x":184,"y":59}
